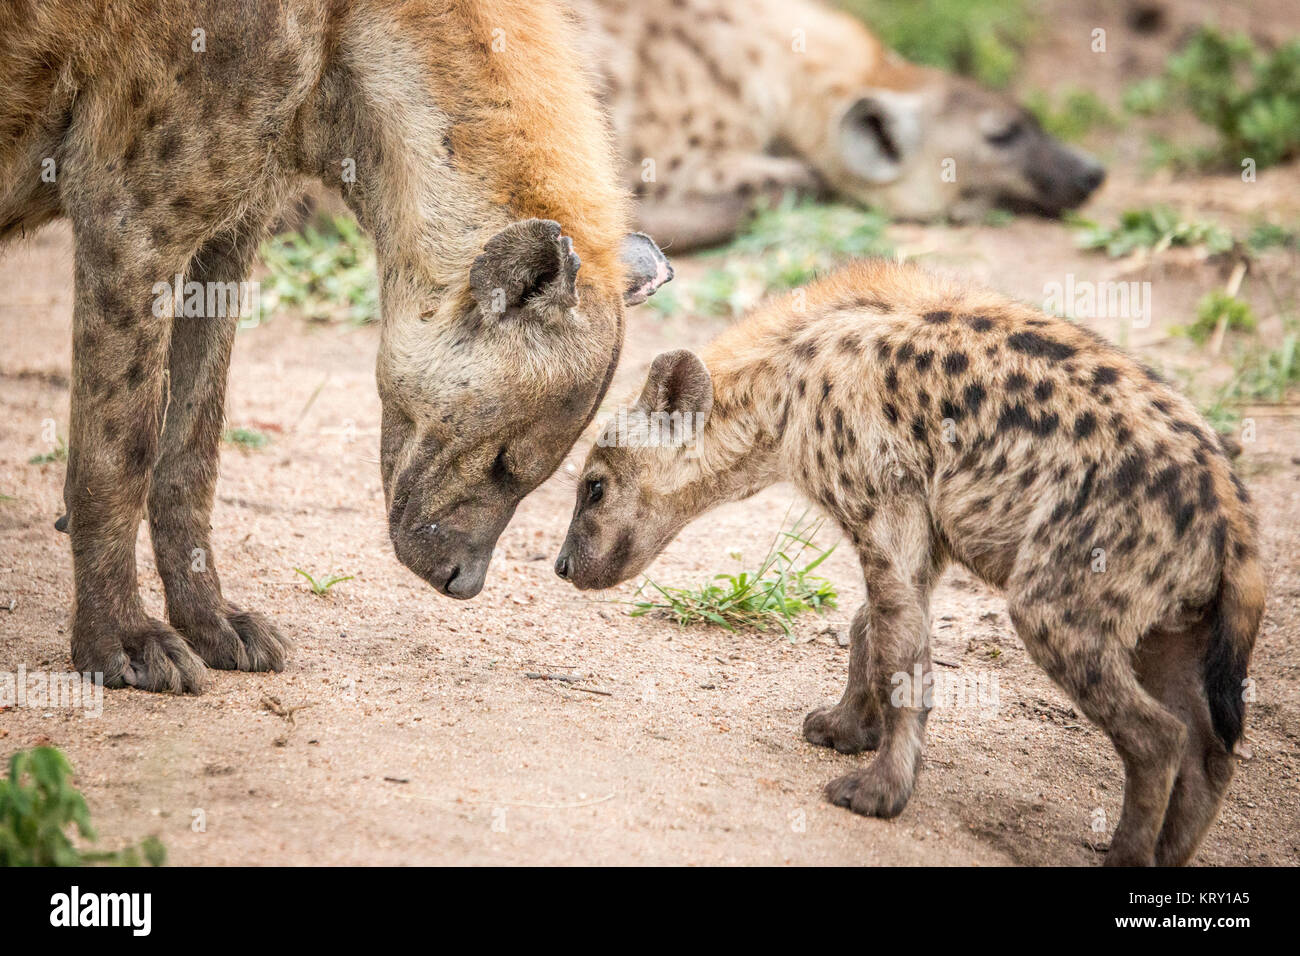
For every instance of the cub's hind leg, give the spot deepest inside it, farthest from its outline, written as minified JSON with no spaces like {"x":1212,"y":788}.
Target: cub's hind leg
{"x":1171,"y":666}
{"x":1097,"y":672}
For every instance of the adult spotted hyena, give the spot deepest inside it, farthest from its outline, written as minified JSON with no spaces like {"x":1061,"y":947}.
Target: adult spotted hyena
{"x":467,"y":143}
{"x":715,"y":102}
{"x":936,"y":425}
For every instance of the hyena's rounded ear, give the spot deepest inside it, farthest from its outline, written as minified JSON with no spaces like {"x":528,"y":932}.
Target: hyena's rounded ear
{"x":528,"y":268}
{"x":647,"y":268}
{"x":678,"y":382}
{"x":878,"y":133}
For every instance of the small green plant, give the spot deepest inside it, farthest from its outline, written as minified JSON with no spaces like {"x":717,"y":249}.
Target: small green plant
{"x":38,"y":807}
{"x":246,"y":438}
{"x":1268,"y":374}
{"x":980,"y":38}
{"x":1218,"y":307}
{"x":326,"y":271}
{"x":323,"y":586}
{"x":1146,"y":96}
{"x":1248,"y":96}
{"x":786,"y":245}
{"x":1268,"y":235}
{"x":58,"y":453}
{"x":1077,"y":114}
{"x":773,"y":594}
{"x":1155,"y":228}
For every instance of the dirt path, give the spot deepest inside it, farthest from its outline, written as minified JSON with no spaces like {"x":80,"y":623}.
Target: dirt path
{"x":415,"y":735}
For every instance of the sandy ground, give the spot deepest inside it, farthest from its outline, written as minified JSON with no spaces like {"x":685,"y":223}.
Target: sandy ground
{"x":413,"y":734}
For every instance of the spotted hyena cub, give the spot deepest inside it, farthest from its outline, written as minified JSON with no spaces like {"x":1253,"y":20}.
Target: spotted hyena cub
{"x":938,"y":424}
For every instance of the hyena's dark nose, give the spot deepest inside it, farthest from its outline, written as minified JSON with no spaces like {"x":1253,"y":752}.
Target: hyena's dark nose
{"x":1089,"y":178}
{"x":564,"y":565}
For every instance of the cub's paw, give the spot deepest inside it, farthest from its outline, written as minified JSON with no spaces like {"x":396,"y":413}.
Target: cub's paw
{"x":834,"y":727}
{"x":148,"y":655}
{"x":234,"y":640}
{"x":869,"y":792}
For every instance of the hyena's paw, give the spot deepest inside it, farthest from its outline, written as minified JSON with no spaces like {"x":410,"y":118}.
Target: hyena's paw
{"x":234,"y":640}
{"x":267,"y":648}
{"x":835,"y":727}
{"x":148,"y":655}
{"x":869,"y":792}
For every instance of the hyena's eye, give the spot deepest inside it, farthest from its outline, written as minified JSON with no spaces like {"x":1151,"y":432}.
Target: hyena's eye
{"x":1006,"y":135}
{"x":595,"y":490}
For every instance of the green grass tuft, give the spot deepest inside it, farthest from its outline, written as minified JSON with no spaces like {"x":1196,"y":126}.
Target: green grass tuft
{"x":322,"y":586}
{"x":772,"y":594}
{"x":979,"y":38}
{"x":1249,"y":97}
{"x":39,"y":806}
{"x":246,"y":438}
{"x":58,"y":453}
{"x":326,"y":272}
{"x":1155,"y":228}
{"x":1215,"y":307}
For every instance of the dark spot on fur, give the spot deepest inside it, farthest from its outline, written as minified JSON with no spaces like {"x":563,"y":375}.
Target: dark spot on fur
{"x":1043,"y":390}
{"x":1130,"y":474}
{"x":1040,"y":346}
{"x":978,"y":322}
{"x":1105,"y":375}
{"x":1085,"y":425}
{"x":1016,"y":382}
{"x":938,"y":317}
{"x":923,"y":360}
{"x":954,"y":363}
{"x":974,"y":398}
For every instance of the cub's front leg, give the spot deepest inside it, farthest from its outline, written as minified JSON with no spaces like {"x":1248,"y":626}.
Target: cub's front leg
{"x":185,"y":474}
{"x":900,"y":569}
{"x":119,"y":346}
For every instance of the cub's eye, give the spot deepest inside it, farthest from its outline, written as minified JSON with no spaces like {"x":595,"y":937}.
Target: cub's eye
{"x":595,"y":490}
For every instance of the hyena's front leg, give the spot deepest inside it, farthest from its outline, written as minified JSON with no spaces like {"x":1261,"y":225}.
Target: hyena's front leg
{"x":853,"y":725}
{"x":119,"y":346}
{"x":900,"y":569}
{"x":185,"y":474}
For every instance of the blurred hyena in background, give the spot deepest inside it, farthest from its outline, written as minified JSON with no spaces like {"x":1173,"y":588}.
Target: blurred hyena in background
{"x":715,"y":103}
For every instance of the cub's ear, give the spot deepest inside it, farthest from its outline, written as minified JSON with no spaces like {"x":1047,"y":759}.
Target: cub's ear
{"x":878,"y":133}
{"x":647,"y":268}
{"x":678,"y":382}
{"x":527,"y":268}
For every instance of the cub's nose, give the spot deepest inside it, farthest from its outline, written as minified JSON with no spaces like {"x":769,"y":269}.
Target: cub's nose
{"x":564,"y":565}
